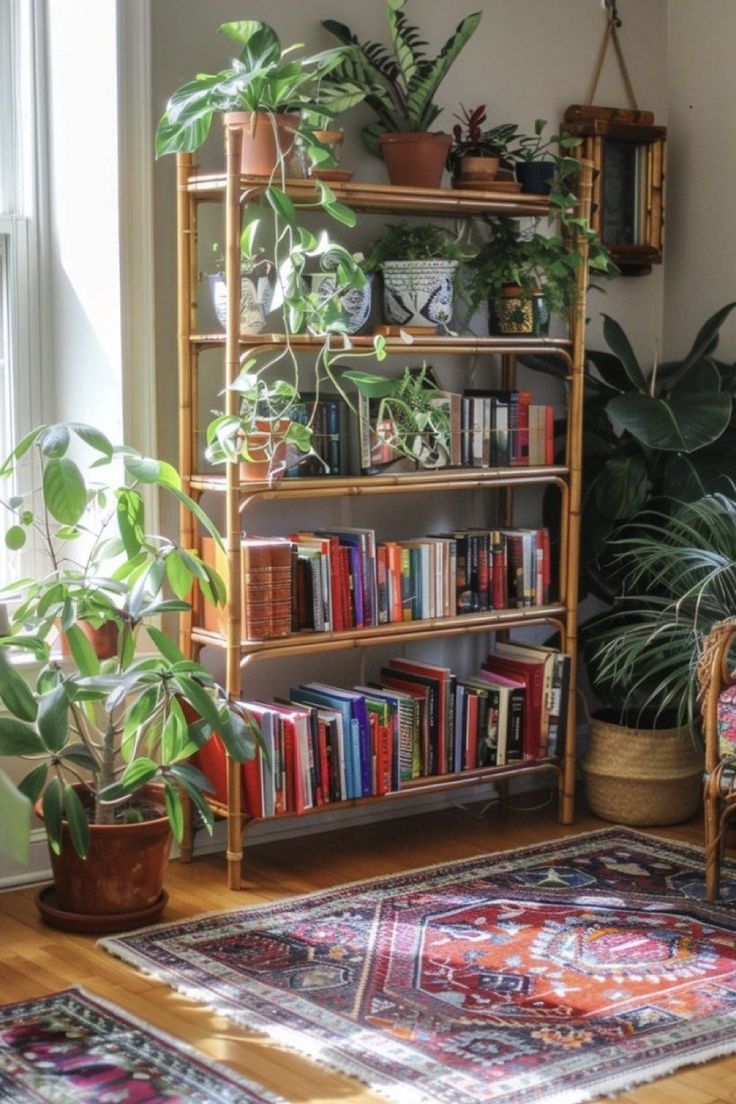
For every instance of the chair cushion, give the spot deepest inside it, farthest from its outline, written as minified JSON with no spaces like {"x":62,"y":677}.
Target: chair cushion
{"x":727,"y":723}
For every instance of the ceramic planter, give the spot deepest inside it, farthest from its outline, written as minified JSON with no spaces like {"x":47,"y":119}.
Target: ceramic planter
{"x":518,"y":312}
{"x":120,"y":883}
{"x":268,"y":452}
{"x":535,"y":177}
{"x":256,"y":293}
{"x":355,"y":303}
{"x":418,"y":293}
{"x":415,"y":160}
{"x":259,"y":151}
{"x":474,"y":169}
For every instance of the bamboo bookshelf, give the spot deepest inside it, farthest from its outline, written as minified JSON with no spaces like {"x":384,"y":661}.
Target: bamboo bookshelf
{"x":232,"y":190}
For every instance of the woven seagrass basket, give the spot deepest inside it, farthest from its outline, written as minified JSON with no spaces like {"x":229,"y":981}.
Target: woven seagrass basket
{"x":642,"y":776}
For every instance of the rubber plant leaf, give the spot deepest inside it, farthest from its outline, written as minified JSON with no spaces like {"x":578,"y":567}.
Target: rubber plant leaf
{"x":685,"y":422}
{"x":620,"y":346}
{"x":622,"y":487}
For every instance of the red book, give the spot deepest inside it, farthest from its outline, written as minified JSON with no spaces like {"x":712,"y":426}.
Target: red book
{"x":393,"y":572}
{"x":439,"y":676}
{"x":324,"y":766}
{"x":531,"y":674}
{"x":525,"y":399}
{"x":549,"y":435}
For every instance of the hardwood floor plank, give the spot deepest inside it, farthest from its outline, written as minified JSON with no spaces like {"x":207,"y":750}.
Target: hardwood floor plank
{"x":35,"y":959}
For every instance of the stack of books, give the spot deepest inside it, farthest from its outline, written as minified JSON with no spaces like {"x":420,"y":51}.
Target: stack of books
{"x":327,"y":744}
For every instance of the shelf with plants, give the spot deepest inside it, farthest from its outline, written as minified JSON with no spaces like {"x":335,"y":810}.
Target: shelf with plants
{"x":237,"y":191}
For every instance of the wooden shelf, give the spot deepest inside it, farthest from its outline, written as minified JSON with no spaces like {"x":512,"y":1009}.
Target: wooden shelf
{"x":395,"y":346}
{"x":431,"y":783}
{"x":398,"y":632}
{"x":342,"y":486}
{"x":380,"y":198}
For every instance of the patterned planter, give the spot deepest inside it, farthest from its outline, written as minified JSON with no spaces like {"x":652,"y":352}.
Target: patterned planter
{"x":518,"y":312}
{"x":256,"y":294}
{"x":355,"y":303}
{"x":418,"y":293}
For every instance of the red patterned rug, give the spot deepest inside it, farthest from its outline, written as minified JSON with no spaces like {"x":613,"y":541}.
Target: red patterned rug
{"x":73,"y":1048}
{"x":552,"y":974}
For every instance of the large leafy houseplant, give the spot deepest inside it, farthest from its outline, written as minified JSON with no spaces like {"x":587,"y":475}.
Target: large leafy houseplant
{"x":263,"y":79}
{"x":399,"y":84}
{"x":96,"y":732}
{"x":651,"y":438}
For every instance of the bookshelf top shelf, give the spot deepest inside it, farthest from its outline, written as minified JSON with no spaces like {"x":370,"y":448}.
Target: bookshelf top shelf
{"x":381,"y":198}
{"x":395,"y":633}
{"x":433,"y":343}
{"x":407,"y":482}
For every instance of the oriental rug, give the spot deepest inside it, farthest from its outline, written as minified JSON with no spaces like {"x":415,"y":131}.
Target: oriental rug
{"x":548,"y":975}
{"x":73,"y":1048}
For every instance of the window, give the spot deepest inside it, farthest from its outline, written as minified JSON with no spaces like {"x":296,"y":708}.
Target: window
{"x":21,"y":319}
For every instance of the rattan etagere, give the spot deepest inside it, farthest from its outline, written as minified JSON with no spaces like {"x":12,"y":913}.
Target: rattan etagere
{"x":232,"y":191}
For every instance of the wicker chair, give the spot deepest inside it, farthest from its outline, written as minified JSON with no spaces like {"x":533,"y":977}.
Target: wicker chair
{"x":714,"y":677}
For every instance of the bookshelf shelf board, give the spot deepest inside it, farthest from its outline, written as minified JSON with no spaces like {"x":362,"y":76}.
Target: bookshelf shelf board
{"x":334,"y":486}
{"x":551,"y":346}
{"x":395,"y":633}
{"x":379,"y":198}
{"x":431,"y":783}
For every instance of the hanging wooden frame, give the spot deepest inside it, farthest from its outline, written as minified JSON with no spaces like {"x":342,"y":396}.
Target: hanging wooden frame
{"x":628,"y":154}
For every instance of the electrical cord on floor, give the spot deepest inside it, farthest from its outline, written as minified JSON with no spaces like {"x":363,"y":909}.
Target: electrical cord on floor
{"x":514,"y":808}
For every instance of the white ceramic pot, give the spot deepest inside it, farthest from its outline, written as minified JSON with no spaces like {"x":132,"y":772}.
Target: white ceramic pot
{"x":256,"y":293}
{"x":418,"y":293}
{"x":355,"y":303}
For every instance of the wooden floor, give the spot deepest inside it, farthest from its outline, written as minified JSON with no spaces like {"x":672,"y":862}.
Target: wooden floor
{"x":35,"y":959}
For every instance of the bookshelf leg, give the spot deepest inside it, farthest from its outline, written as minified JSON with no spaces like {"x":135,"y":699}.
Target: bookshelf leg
{"x":186,"y":851}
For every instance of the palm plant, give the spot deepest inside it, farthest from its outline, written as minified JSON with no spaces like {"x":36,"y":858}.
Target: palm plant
{"x":399,"y":87}
{"x":679,"y":574}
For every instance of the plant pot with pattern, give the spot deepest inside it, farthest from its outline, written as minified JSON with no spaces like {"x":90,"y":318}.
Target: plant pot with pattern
{"x":401,"y":90}
{"x":268,"y":93}
{"x":96,"y":731}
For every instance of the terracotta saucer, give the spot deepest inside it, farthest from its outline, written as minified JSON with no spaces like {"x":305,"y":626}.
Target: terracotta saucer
{"x":487,"y":186}
{"x":57,"y":917}
{"x":333,"y":174}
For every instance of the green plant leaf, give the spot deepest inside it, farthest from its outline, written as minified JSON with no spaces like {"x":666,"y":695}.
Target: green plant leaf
{"x":64,"y":490}
{"x":53,"y":717}
{"x":15,"y":692}
{"x":92,"y":437}
{"x":620,"y":345}
{"x":239,"y":737}
{"x":34,"y":782}
{"x":341,"y":213}
{"x":15,"y":820}
{"x":144,"y":469}
{"x":706,"y":338}
{"x":138,"y":773}
{"x":130,"y":514}
{"x":20,"y":450}
{"x":193,"y":783}
{"x":174,"y":810}
{"x":77,"y":821}
{"x":178,"y":574}
{"x":82,"y":651}
{"x":53,"y":804}
{"x":682,"y":424}
{"x":165,"y":645}
{"x":282,"y":204}
{"x":687,"y":478}
{"x":622,"y":487}
{"x":80,"y":757}
{"x":15,"y":537}
{"x":374,"y":387}
{"x":54,"y":440}
{"x":18,"y":738}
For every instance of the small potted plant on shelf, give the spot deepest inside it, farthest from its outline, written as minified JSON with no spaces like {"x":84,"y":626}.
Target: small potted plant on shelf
{"x":419,"y":266}
{"x":263,"y":437}
{"x":264,"y":91}
{"x":401,"y":91}
{"x":476,"y":154}
{"x":342,"y":294}
{"x":107,"y":740}
{"x":256,"y":283}
{"x":536,"y":160}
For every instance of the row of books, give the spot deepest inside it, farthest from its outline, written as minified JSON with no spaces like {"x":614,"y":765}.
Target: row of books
{"x":341,"y":579}
{"x":478,"y":429}
{"x":328,"y":420}
{"x":327,"y":744}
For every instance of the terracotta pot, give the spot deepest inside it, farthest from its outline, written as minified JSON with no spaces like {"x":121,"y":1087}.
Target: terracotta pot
{"x":478,"y":168}
{"x":259,"y":152}
{"x":104,"y":640}
{"x":124,"y":870}
{"x":415,"y":160}
{"x":268,"y":460}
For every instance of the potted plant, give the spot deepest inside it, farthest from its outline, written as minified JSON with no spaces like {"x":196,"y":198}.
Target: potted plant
{"x":342,"y":293}
{"x":400,"y":89}
{"x":476,"y":154}
{"x":419,"y":265}
{"x":535,"y":158}
{"x":256,"y":283}
{"x":108,"y":740}
{"x":262,"y":437}
{"x":264,"y":91}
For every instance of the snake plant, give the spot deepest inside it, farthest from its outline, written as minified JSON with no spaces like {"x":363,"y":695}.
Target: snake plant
{"x":399,"y":83}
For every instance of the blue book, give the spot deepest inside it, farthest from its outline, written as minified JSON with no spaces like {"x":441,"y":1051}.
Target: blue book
{"x":324,"y":696}
{"x":359,"y":712}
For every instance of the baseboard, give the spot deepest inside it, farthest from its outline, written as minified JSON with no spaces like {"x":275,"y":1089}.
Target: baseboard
{"x":38,"y":868}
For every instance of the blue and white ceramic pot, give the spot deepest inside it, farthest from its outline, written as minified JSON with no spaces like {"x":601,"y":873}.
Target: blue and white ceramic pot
{"x":418,"y":293}
{"x":256,"y":293}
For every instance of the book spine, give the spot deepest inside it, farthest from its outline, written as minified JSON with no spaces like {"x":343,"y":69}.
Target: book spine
{"x":382,"y":584}
{"x":549,"y":435}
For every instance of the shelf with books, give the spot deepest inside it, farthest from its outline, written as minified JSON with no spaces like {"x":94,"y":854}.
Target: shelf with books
{"x":405,"y":483}
{"x":378,"y":198}
{"x":233,"y":192}
{"x":398,"y":632}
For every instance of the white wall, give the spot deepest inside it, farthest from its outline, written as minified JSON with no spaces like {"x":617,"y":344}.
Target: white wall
{"x":701,"y":229}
